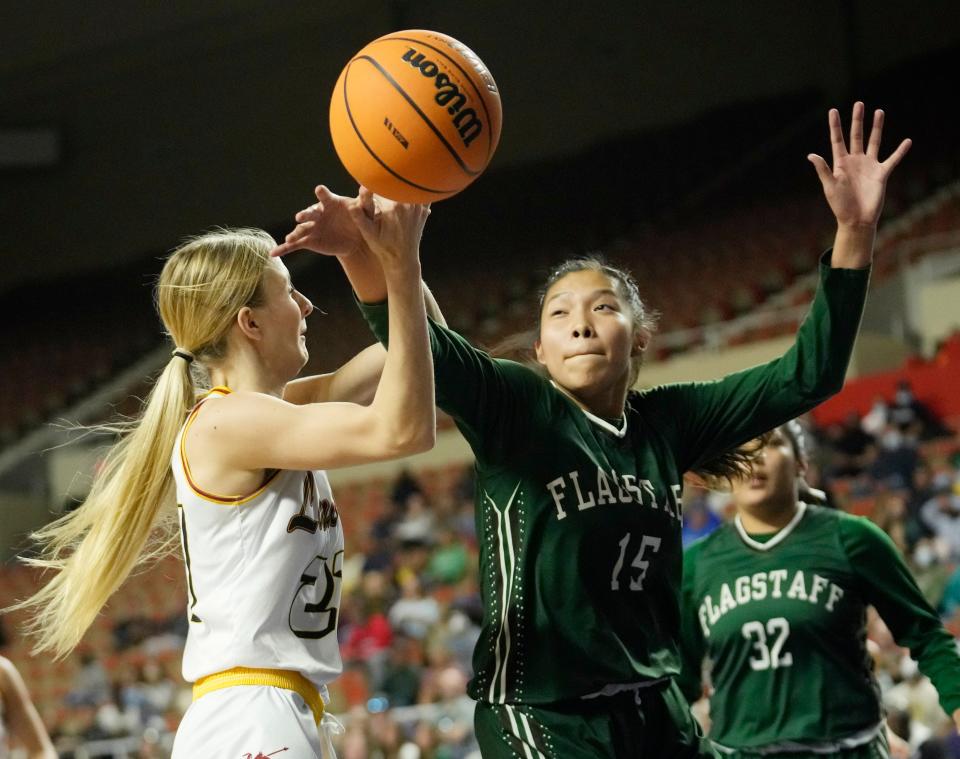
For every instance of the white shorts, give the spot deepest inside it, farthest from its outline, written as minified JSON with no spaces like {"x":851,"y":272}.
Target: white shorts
{"x":251,"y":722}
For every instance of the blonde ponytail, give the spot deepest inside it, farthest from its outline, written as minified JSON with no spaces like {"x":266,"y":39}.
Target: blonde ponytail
{"x":126,"y":519}
{"x":129,"y":517}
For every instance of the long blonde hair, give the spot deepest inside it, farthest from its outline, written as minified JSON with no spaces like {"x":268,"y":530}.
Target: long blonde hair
{"x":128,"y":518}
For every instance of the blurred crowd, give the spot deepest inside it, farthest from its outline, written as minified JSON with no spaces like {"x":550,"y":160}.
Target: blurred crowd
{"x":411,"y":610}
{"x":410,"y":618}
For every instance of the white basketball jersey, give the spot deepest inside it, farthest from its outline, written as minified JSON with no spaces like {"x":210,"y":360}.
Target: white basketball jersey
{"x":263,"y":572}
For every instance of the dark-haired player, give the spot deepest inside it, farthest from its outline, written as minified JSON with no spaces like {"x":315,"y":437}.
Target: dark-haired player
{"x":777,"y":600}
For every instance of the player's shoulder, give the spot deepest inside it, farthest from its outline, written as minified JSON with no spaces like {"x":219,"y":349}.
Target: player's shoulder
{"x":525,"y":380}
{"x":217,"y":409}
{"x":836,"y":518}
{"x":650,"y":403}
{"x":716,"y":542}
{"x":854,"y":533}
{"x":649,"y":397}
{"x":521,"y":370}
{"x":662,"y":405}
{"x":825,"y":514}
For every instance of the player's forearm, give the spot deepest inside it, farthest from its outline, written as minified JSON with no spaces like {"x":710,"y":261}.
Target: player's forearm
{"x":366,"y":276}
{"x":891,"y":589}
{"x":853,"y":246}
{"x":433,"y":310}
{"x":938,"y":660}
{"x":405,"y":396}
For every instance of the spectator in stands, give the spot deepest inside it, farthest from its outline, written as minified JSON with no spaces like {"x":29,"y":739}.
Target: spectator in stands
{"x":921,"y":491}
{"x":853,"y":445}
{"x":386,"y":736}
{"x":368,"y":635}
{"x":413,"y":613}
{"x":454,"y":717}
{"x":908,"y":413}
{"x":456,"y":634}
{"x":889,"y":514}
{"x":416,"y":524}
{"x":941,"y":514}
{"x":895,"y":458}
{"x":148,"y":696}
{"x":262,"y":439}
{"x":91,"y":685}
{"x":19,"y":719}
{"x":875,"y":421}
{"x":404,"y":486}
{"x":578,"y":478}
{"x":449,"y":561}
{"x":423,"y":742}
{"x":698,"y":518}
{"x":355,"y":744}
{"x":401,"y":677}
{"x":950,"y":601}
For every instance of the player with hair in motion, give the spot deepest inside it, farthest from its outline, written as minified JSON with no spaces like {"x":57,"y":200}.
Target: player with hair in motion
{"x":578,"y":503}
{"x":238,"y":472}
{"x":777,"y":602}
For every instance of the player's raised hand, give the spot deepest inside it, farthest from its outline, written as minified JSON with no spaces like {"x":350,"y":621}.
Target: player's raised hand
{"x":391,"y":230}
{"x":326,"y":227}
{"x":856,"y":183}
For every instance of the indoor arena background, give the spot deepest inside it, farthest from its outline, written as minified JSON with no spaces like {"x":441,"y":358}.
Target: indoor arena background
{"x":671,"y":136}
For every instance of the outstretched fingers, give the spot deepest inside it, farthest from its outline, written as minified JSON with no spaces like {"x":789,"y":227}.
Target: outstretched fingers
{"x":876,"y":133}
{"x":368,"y":203}
{"x":902,"y":149}
{"x":856,"y":128}
{"x":837,"y":145}
{"x":823,"y":170}
{"x":323,"y":194}
{"x":283,"y":248}
{"x":294,"y":239}
{"x":307,"y":213}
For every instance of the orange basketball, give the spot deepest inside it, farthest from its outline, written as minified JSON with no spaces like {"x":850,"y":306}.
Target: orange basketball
{"x":415,"y":116}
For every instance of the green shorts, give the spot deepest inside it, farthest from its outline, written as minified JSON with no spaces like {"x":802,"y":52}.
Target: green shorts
{"x":648,"y":723}
{"x":875,"y":749}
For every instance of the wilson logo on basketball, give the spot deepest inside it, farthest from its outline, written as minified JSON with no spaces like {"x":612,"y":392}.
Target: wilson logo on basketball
{"x":448,"y":95}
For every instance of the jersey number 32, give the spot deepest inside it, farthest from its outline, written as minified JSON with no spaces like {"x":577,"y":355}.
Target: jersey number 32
{"x":768,"y":643}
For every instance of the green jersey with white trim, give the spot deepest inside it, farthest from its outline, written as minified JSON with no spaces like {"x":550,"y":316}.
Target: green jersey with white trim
{"x":782,"y":619}
{"x":579,"y":517}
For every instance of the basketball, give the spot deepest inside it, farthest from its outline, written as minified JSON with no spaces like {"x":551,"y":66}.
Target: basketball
{"x":415,"y":116}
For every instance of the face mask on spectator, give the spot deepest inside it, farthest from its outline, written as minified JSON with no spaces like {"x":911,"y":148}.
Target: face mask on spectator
{"x":891,"y":439}
{"x":923,"y":555}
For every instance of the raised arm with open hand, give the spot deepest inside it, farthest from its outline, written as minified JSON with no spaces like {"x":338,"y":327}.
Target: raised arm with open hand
{"x":253,"y":430}
{"x":326,"y":227}
{"x":390,"y":230}
{"x":856,"y":185}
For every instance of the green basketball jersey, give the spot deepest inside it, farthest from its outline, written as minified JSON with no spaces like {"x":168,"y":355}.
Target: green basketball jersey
{"x":782,"y":620}
{"x":579,"y":518}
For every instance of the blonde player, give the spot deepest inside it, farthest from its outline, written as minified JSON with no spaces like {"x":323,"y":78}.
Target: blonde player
{"x":259,"y":528}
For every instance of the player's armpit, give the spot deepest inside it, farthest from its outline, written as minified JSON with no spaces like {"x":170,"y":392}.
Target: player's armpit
{"x":250,"y":431}
{"x":354,"y":382}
